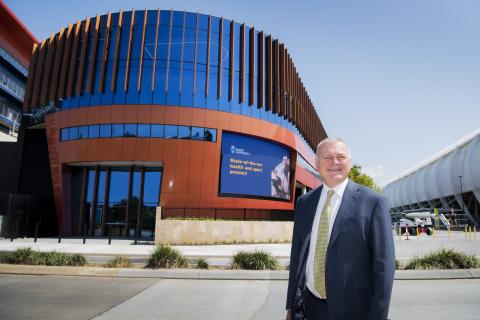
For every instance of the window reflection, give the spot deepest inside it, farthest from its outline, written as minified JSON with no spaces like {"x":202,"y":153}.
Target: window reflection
{"x":73,"y":133}
{"x":64,"y":134}
{"x":157,"y":131}
{"x":83,"y":132}
{"x":118,"y":130}
{"x":170,"y":131}
{"x":144,"y":130}
{"x":93,"y":131}
{"x":130,"y":130}
{"x":122,"y":208}
{"x":184,"y":132}
{"x":105,"y":131}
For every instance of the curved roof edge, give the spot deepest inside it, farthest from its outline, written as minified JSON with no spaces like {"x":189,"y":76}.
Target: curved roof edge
{"x":435,"y":157}
{"x":18,"y":22}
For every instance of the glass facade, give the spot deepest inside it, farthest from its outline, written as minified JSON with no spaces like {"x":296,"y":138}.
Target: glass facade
{"x":13,"y":76}
{"x":116,"y":199}
{"x":119,"y":130}
{"x":177,"y":58}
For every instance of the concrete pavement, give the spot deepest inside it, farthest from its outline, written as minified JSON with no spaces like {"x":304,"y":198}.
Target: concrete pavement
{"x":30,"y":297}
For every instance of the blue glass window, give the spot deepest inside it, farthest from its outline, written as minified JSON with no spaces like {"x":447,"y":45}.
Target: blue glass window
{"x":85,"y":98}
{"x":117,"y":130}
{"x":119,"y":96}
{"x":224,"y":103}
{"x":186,"y":98}
{"x":157,"y":131}
{"x":64,"y":134}
{"x":210,"y":135}
{"x":146,"y":94}
{"x":170,"y":131}
{"x":83,"y":132}
{"x":93,"y":131}
{"x":105,"y":131}
{"x":184,"y":132}
{"x":159,"y":94}
{"x":173,"y":93}
{"x":144,"y":130}
{"x":212,"y":102}
{"x":96,"y":96}
{"x":198,"y":133}
{"x":202,"y":22}
{"x":133,"y":94}
{"x":107,"y":96}
{"x":151,"y":188}
{"x":200,"y":77}
{"x":73,"y":133}
{"x":130,"y":130}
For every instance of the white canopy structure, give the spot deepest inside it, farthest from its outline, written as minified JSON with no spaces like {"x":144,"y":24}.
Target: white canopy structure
{"x":449,"y":180}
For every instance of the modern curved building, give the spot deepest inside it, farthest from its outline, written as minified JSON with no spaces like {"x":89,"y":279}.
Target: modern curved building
{"x":450,"y":180}
{"x":193,"y":113}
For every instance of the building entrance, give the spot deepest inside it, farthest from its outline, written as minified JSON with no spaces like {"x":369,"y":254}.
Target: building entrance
{"x":119,"y":201}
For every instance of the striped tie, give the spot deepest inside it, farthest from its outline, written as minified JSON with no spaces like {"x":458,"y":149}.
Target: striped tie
{"x":321,"y":248}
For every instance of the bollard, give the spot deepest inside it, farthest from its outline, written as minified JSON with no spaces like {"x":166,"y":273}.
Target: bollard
{"x":448,"y":232}
{"x":418,"y":234}
{"x":470,"y":232}
{"x":433,"y":232}
{"x":36,"y":231}
{"x":475,"y":232}
{"x":406,"y":232}
{"x":60,"y":233}
{"x":84,"y":233}
{"x":110,"y":234}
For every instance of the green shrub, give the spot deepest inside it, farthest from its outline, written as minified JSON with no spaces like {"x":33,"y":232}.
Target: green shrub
{"x":78,"y":260}
{"x":163,"y":256}
{"x":202,"y":263}
{"x":29,"y":257}
{"x":7,"y":257}
{"x":444,"y":259}
{"x":258,"y":260}
{"x":119,"y":262}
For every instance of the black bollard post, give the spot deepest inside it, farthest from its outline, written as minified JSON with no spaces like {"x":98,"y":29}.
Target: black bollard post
{"x":36,"y":231}
{"x":136,"y":235}
{"x":109,"y":234}
{"x":84,"y":233}
{"x":60,"y":233}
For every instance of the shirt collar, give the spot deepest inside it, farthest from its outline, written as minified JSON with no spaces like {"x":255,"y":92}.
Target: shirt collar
{"x":339,"y":189}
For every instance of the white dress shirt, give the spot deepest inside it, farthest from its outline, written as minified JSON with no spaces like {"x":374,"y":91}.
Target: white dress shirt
{"x":334,"y":205}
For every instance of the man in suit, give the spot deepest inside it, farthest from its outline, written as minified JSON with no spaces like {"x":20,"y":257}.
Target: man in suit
{"x":349,"y":260}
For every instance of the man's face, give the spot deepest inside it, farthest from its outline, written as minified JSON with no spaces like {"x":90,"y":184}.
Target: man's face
{"x":333,"y":163}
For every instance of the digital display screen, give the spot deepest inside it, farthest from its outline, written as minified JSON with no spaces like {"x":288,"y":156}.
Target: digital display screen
{"x":254,"y":167}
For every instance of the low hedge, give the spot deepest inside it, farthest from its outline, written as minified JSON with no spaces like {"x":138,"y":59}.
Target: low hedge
{"x":29,"y":257}
{"x":444,"y":259}
{"x":257,"y":260}
{"x":164,"y":256}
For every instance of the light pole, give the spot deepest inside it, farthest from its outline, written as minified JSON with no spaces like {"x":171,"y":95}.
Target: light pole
{"x":461,"y":194}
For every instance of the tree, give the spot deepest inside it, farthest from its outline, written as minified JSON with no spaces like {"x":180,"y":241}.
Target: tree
{"x":359,"y":177}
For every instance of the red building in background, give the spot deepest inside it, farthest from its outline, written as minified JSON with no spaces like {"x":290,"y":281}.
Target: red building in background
{"x":200,"y":115}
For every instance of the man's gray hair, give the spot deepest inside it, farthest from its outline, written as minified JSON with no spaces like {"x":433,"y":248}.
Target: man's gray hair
{"x":334,"y":140}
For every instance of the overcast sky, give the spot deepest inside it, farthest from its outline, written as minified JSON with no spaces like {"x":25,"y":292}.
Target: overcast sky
{"x":398,"y":80}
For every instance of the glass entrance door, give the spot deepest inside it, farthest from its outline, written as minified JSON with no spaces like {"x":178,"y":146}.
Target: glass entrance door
{"x":121,"y":201}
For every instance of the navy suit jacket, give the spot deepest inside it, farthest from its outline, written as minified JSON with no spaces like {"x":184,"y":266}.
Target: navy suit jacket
{"x":360,"y":262}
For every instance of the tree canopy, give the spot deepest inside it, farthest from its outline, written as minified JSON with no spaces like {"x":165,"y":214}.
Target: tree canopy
{"x":359,"y":177}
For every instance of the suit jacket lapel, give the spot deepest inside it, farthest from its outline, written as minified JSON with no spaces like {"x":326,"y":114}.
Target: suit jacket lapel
{"x":346,"y":209}
{"x":312,"y":207}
